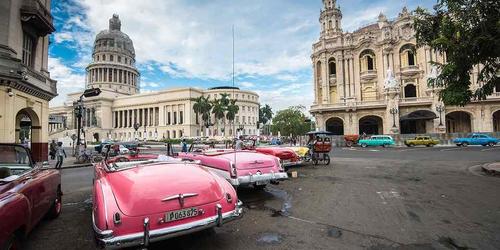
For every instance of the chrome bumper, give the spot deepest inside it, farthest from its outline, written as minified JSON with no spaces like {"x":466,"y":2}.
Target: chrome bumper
{"x":292,"y":163}
{"x":105,"y":239}
{"x":253,"y":178}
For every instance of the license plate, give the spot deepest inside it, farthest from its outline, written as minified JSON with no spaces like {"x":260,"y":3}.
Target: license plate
{"x":181,"y":214}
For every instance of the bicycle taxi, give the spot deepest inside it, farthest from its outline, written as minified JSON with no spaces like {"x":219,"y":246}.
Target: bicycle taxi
{"x":320,"y":147}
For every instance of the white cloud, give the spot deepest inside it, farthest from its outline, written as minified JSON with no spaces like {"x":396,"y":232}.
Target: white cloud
{"x":285,"y":95}
{"x":247,"y":85}
{"x":67,"y":80}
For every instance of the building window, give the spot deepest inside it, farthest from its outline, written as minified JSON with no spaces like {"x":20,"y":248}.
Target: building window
{"x":175,"y":118}
{"x":119,"y":59}
{"x":497,"y":87}
{"x":410,"y":91}
{"x":104,"y":57}
{"x":332,"y":66}
{"x":407,"y":55}
{"x":169,"y":121}
{"x":367,"y":60}
{"x":28,"y":49}
{"x":181,"y":117}
{"x":111,"y":58}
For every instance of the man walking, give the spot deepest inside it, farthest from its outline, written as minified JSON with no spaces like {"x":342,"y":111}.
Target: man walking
{"x":52,"y":150}
{"x":60,"y":153}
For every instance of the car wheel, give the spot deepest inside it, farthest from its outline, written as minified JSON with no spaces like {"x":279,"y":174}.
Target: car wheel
{"x":259,"y":187}
{"x":411,"y":145}
{"x":491,"y":144}
{"x":56,"y":208}
{"x":465,"y":144}
{"x":364,"y":145}
{"x":349,"y":143}
{"x":12,"y":243}
{"x":326,"y":158}
{"x":384,"y":145}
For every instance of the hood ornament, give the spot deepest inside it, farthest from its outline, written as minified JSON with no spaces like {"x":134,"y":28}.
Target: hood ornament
{"x":179,"y":197}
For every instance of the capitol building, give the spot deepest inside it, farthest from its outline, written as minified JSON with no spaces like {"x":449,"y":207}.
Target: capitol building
{"x":374,"y":81}
{"x":164,"y":114}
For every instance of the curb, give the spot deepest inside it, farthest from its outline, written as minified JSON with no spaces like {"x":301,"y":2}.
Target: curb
{"x":491,"y":168}
{"x":77,"y":166}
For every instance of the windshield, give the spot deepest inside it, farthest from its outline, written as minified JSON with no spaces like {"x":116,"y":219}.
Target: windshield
{"x":14,"y":161}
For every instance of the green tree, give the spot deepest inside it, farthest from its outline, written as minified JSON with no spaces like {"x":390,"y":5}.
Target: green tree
{"x":468,"y":33}
{"x":291,"y":121}
{"x":232,"y":111}
{"x":218,"y":110}
{"x":201,"y":108}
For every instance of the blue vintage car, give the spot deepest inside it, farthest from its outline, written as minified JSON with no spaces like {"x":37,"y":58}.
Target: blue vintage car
{"x":476,"y":139}
{"x":377,"y":140}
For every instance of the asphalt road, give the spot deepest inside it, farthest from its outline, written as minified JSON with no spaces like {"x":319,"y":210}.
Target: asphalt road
{"x":367,"y":198}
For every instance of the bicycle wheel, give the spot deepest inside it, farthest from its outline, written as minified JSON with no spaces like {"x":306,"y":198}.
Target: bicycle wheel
{"x":326,"y":158}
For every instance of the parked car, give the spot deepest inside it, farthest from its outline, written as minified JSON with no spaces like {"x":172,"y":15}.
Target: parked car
{"x":421,"y":140}
{"x":241,"y":168}
{"x":136,"y":203}
{"x":132,"y":156}
{"x":377,"y":140}
{"x":28,"y":193}
{"x":287,"y":156}
{"x":300,"y":151}
{"x":476,"y":139}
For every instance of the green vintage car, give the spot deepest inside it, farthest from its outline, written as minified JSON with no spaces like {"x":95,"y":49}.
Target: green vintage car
{"x":421,"y":140}
{"x":377,"y":140}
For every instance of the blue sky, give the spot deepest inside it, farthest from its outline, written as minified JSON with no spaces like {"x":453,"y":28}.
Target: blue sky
{"x":188,"y":43}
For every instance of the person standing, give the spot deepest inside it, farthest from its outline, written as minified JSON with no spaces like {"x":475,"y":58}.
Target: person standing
{"x":61,"y":154}
{"x":184,"y":147}
{"x":239,"y":143}
{"x":52,"y":150}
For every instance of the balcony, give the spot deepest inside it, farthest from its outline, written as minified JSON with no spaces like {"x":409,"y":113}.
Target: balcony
{"x":368,"y":75}
{"x":34,"y":14}
{"x":416,"y":101}
{"x":410,"y":70}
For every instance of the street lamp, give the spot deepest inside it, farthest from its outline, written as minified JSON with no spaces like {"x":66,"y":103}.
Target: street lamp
{"x":79,"y":109}
{"x":394,"y":111}
{"x":136,"y":127}
{"x":440,"y":109}
{"x":145,"y":135}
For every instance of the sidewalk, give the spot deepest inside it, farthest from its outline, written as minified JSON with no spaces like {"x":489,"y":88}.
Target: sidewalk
{"x":69,"y":163}
{"x":492,"y":168}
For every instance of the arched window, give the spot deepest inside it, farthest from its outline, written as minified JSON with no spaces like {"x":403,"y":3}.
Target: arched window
{"x":332,"y":66}
{"x":367,"y":60}
{"x":408,"y":55}
{"x":329,"y":24}
{"x":410,"y":91}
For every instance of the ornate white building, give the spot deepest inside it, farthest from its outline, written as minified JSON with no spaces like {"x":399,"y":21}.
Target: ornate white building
{"x":163,"y":114}
{"x":374,"y":80}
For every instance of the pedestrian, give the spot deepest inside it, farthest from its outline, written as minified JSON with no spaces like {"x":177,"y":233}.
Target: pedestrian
{"x":239,"y":143}
{"x":52,"y":150}
{"x":184,"y":147}
{"x":61,"y":154}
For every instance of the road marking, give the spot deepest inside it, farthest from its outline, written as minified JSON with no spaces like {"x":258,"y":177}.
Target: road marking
{"x":451,"y":149}
{"x":386,"y":195}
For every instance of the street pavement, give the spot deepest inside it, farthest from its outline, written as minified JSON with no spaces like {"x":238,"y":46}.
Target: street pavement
{"x":367,"y":198}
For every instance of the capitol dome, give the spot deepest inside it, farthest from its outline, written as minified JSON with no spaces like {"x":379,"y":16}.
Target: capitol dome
{"x":113,"y":65}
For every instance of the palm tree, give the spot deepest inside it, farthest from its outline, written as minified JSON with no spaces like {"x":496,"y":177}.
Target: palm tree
{"x":265,"y":114}
{"x":232,"y":110}
{"x":218,"y":109}
{"x":202,"y":106}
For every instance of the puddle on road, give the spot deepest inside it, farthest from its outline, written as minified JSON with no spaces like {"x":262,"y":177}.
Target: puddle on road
{"x":270,"y":238}
{"x":334,"y":232}
{"x":262,"y":200}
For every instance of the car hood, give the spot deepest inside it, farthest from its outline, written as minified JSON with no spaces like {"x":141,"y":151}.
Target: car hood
{"x":249,"y":160}
{"x":139,"y":191}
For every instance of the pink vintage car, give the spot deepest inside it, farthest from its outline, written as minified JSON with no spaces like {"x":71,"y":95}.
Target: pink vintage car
{"x":138,"y":202}
{"x":240,"y":168}
{"x":28,"y":193}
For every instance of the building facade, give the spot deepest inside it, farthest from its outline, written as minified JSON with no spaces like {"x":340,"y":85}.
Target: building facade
{"x":165,"y":114}
{"x":374,"y":81}
{"x":25,"y":84}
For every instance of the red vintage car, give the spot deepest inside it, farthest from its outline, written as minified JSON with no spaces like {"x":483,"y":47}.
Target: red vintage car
{"x":28,"y":193}
{"x":240,"y":168}
{"x":287,"y":156}
{"x":138,"y":202}
{"x":132,"y":156}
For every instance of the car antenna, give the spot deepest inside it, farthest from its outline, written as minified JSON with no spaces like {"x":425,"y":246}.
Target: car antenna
{"x":234,"y":125}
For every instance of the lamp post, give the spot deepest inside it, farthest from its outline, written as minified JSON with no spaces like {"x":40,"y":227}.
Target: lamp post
{"x":145,"y":133}
{"x":393,"y":111}
{"x":136,"y":127}
{"x":79,"y":108}
{"x":440,"y":109}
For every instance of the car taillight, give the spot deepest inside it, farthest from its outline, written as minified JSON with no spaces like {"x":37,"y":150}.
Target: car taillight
{"x":280,"y":167}
{"x":232,"y":170}
{"x":229,"y":199}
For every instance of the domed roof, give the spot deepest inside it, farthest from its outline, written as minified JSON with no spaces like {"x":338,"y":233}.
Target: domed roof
{"x":121,"y":40}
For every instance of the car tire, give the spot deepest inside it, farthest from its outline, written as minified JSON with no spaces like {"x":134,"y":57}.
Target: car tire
{"x":491,"y":144}
{"x":326,"y":158}
{"x":465,"y":144}
{"x":364,"y":145}
{"x":12,"y":243}
{"x":384,"y":145}
{"x":56,"y":208}
{"x":411,"y":145}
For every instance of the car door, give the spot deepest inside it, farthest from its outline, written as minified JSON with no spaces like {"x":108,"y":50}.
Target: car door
{"x":482,"y":139}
